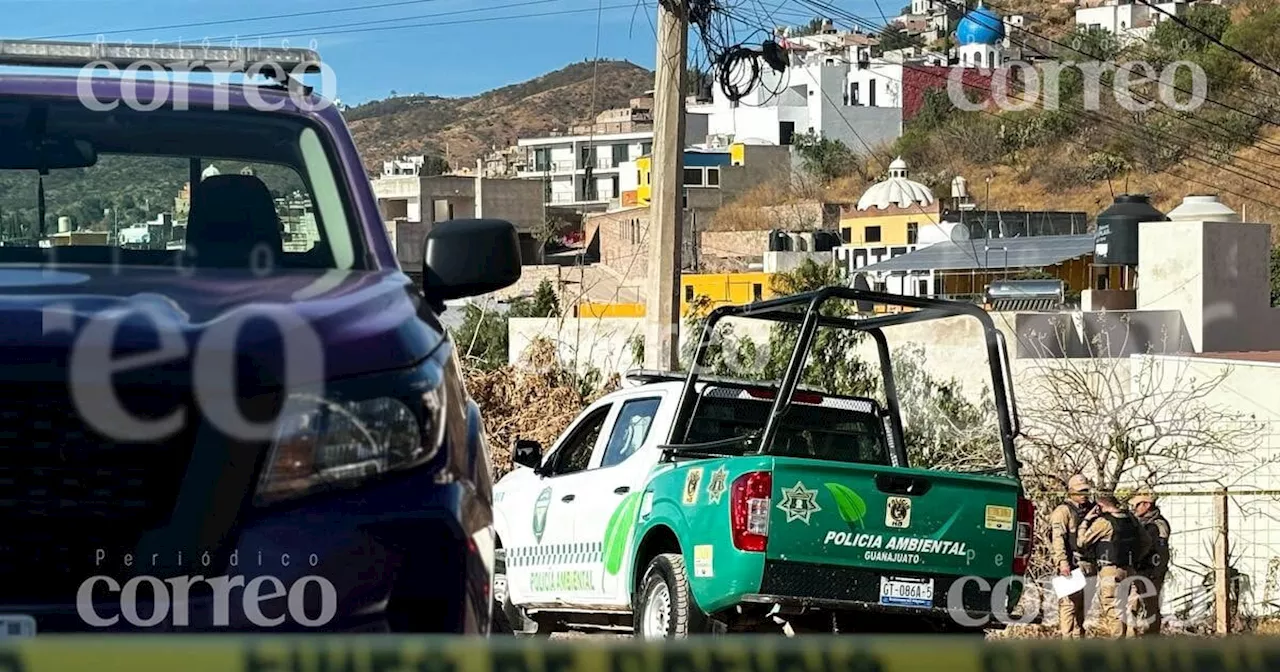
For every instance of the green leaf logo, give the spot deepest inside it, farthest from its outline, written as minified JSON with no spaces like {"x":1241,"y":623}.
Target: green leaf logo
{"x":851,"y":507}
{"x":618,"y":532}
{"x":540,"y":513}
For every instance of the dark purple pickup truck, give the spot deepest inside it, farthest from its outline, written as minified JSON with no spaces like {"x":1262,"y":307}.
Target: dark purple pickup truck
{"x":226,"y":408}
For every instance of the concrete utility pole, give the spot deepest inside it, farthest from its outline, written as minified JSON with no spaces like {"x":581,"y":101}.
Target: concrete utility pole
{"x":666,"y":211}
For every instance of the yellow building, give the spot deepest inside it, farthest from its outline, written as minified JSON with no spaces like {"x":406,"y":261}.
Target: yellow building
{"x":891,"y":212}
{"x":708,"y":289}
{"x":735,"y":289}
{"x":644,"y":192}
{"x":588,"y":309}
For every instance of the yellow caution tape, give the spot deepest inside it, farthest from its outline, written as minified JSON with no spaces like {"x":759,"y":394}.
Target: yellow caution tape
{"x":731,"y":654}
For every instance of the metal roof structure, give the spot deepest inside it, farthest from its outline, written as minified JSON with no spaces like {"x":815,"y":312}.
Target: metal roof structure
{"x":990,"y":254}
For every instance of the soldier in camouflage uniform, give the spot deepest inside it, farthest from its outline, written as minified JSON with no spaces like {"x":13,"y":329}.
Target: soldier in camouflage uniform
{"x":1115,"y":539}
{"x":1154,"y":565}
{"x":1064,"y":523}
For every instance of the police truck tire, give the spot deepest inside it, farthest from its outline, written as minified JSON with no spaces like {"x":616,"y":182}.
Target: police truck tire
{"x":664,"y":607}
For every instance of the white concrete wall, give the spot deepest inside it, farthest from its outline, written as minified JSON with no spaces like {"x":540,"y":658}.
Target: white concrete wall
{"x":885,"y":77}
{"x":1247,"y":387}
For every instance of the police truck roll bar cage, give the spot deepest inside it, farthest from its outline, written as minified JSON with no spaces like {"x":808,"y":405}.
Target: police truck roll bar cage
{"x":783,"y":310}
{"x":279,"y":64}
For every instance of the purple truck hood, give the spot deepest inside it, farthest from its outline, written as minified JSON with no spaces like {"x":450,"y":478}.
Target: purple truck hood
{"x":361,"y":321}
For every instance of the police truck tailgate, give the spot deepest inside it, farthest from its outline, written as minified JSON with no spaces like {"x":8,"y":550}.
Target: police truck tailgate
{"x":902,"y":527}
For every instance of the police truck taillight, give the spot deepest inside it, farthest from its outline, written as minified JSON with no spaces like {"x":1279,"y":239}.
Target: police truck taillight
{"x":749,"y":510}
{"x":1025,"y":534}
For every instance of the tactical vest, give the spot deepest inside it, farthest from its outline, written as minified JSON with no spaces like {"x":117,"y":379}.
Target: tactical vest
{"x":1120,"y":548}
{"x":1156,"y":560}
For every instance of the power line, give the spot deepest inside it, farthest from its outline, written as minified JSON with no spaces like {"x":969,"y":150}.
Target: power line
{"x":371,"y":22}
{"x":435,"y":24}
{"x":1191,"y":120}
{"x":249,"y":19}
{"x":1185,"y":24}
{"x":1105,"y":119}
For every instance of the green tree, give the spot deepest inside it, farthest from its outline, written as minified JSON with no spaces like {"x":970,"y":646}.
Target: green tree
{"x":1258,"y":34}
{"x":1173,"y":37}
{"x":482,"y":338}
{"x":935,"y":110}
{"x":544,"y":303}
{"x":825,"y":158}
{"x":1094,"y":43}
{"x":894,"y":36}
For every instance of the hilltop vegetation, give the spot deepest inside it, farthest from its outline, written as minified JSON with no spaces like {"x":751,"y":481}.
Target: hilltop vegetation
{"x":1077,"y":156}
{"x":466,"y":128}
{"x":1079,"y":153}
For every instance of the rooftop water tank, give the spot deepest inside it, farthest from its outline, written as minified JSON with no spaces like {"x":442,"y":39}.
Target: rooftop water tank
{"x":825,"y":241}
{"x":1116,"y":240}
{"x":779,"y":241}
{"x":1203,"y":209}
{"x":64,"y":224}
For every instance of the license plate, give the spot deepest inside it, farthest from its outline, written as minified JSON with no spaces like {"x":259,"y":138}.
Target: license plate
{"x":17,"y":625}
{"x":906,"y":592}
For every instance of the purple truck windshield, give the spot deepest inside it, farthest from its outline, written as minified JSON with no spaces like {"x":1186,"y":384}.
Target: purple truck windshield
{"x":224,"y":189}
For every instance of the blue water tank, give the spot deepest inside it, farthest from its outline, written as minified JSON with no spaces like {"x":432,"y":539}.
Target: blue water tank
{"x":981,"y":26}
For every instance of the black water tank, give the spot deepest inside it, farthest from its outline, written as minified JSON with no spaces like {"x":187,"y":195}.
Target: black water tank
{"x":825,"y":241}
{"x":1116,"y":240}
{"x":779,"y":241}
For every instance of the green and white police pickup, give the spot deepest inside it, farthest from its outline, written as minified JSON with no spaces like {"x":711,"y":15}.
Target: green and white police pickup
{"x":691,"y":504}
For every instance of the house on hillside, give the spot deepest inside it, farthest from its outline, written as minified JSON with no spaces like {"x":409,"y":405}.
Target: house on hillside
{"x":581,"y":169}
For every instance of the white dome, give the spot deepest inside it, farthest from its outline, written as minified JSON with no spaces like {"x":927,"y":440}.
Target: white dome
{"x":210,"y":172}
{"x":896,"y":190}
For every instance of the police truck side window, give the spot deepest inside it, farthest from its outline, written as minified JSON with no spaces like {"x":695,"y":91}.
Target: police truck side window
{"x":630,"y":431}
{"x":575,"y":454}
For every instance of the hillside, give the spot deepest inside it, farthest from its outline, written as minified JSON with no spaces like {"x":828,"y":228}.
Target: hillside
{"x":468,"y":127}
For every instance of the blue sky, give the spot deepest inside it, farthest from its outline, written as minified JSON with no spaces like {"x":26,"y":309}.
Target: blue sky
{"x":438,"y":47}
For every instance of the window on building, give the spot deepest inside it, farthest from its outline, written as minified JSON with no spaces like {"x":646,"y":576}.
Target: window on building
{"x":588,"y":157}
{"x":757,"y":292}
{"x":871,"y":234}
{"x":688,"y":293}
{"x":713,"y":177}
{"x":615,"y":185}
{"x":853,"y":94}
{"x":922,"y":287}
{"x":871,"y":93}
{"x":846,"y":235}
{"x":786,"y":132}
{"x":879,"y":287}
{"x":693,"y":177}
{"x":913,"y":233}
{"x":646,"y":148}
{"x":542,"y":159}
{"x":619,"y":154}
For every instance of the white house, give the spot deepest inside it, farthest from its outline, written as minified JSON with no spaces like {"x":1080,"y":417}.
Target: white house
{"x":811,"y":96}
{"x":1131,"y":22}
{"x":586,"y":171}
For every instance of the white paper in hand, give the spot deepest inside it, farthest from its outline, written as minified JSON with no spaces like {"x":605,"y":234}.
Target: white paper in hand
{"x":1069,"y":585}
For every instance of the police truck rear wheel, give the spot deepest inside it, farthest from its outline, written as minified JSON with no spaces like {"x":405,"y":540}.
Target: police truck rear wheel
{"x":664,"y":604}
